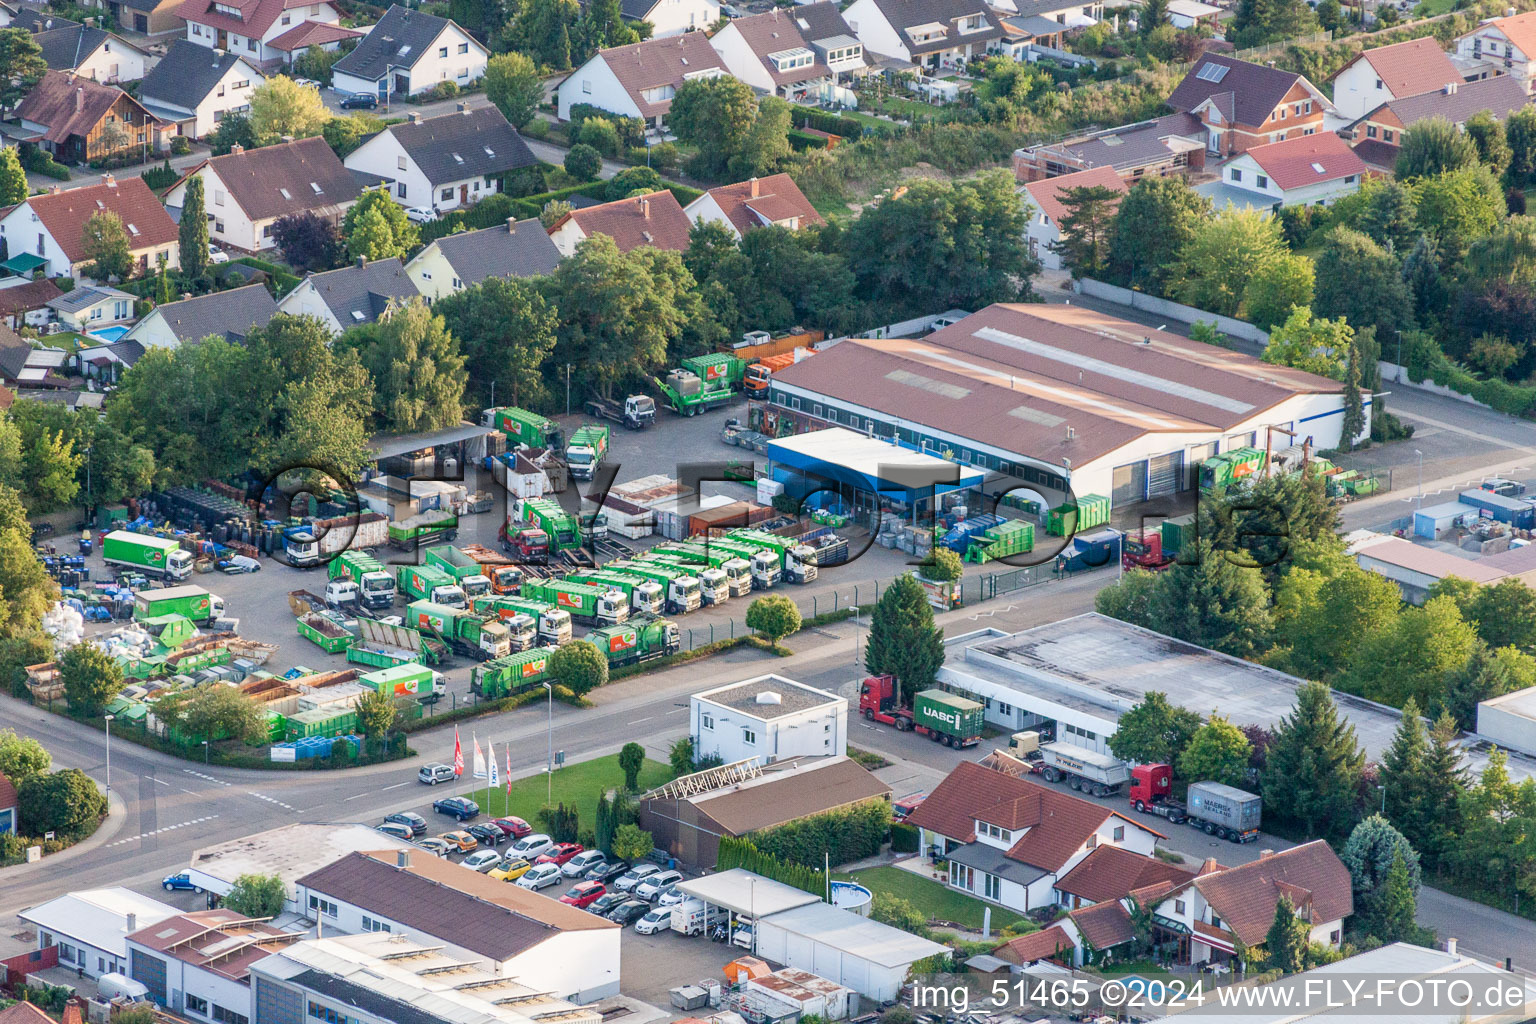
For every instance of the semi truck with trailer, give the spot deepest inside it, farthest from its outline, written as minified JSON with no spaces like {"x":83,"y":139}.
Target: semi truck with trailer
{"x":552,"y":625}
{"x":465,"y":570}
{"x":505,"y":677}
{"x":1219,"y":810}
{"x":636,"y":412}
{"x":525,"y":428}
{"x":684,"y":593}
{"x":602,"y":605}
{"x":587,"y":450}
{"x":1087,"y":771}
{"x":642,"y":638}
{"x":375,"y":586}
{"x":942,"y":717}
{"x":469,"y":633}
{"x":430,"y":583}
{"x":644,"y":595}
{"x":192,"y":602}
{"x":159,"y":557}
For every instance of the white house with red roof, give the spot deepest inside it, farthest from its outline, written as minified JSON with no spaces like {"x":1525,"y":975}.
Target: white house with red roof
{"x":1385,"y":73}
{"x":51,"y":226}
{"x":1507,"y":45}
{"x":1044,"y":228}
{"x":252,"y":28}
{"x":1304,"y":171}
{"x":774,"y":201}
{"x":639,"y":80}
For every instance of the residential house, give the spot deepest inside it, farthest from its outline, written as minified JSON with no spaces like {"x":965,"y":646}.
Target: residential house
{"x":1113,"y":873}
{"x":672,"y":17}
{"x":146,"y":17}
{"x":22,"y":365}
{"x":1023,"y":36}
{"x":1378,"y":135}
{"x":410,"y":52}
{"x":1506,"y":44}
{"x":351,"y":296}
{"x":230,"y":315}
{"x":198,"y":965}
{"x":932,"y":33}
{"x":1373,"y":77}
{"x":1053,"y":944}
{"x":831,"y":37}
{"x":25,"y":1013}
{"x":91,"y":53}
{"x":91,"y":306}
{"x":26,"y":301}
{"x":1244,"y":105}
{"x":107,"y":361}
{"x":768,"y":52}
{"x":1194,"y":14}
{"x":311,"y":35}
{"x":34,"y":18}
{"x":443,"y":163}
{"x":757,"y":202}
{"x":1308,"y":170}
{"x":194,"y":88}
{"x":517,"y":933}
{"x":246,"y":191}
{"x":639,"y":80}
{"x":91,"y":927}
{"x":655,"y":220}
{"x":49,"y":227}
{"x":1172,"y":144}
{"x":1009,"y":840}
{"x":1043,"y":229}
{"x":77,"y":120}
{"x":1068,"y":14}
{"x":249,"y":28}
{"x":518,"y":248}
{"x":9,"y":803}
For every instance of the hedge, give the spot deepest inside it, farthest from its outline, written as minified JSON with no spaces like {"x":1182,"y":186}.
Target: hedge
{"x":1425,"y":360}
{"x":843,"y":835}
{"x":282,"y":278}
{"x":833,"y":124}
{"x":740,"y":853}
{"x":799,"y":140}
{"x":903,"y":838}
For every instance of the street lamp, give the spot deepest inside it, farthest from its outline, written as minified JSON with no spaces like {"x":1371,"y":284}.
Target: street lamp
{"x":109,"y":755}
{"x":549,"y":763}
{"x":1383,"y":788}
{"x":1421,"y":477}
{"x":205,"y":753}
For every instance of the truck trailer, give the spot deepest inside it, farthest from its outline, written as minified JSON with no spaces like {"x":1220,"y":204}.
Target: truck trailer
{"x":471,"y":634}
{"x":159,"y":557}
{"x":1216,"y":809}
{"x":636,"y":412}
{"x":193,"y":602}
{"x":942,"y":717}
{"x":524,"y":427}
{"x":1082,"y":769}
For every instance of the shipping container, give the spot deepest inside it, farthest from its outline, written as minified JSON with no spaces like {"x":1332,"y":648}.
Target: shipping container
{"x":1225,"y":811}
{"x":1011,"y":537}
{"x":1517,"y":513}
{"x":326,"y":630}
{"x":1071,"y":517}
{"x":957,"y":717}
{"x":433,"y":526}
{"x":1177,"y":532}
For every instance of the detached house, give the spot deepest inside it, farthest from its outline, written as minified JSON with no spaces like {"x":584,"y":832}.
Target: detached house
{"x":442,"y":163}
{"x":672,"y":17}
{"x":1374,"y":77}
{"x":1378,"y":135}
{"x":1507,"y":45}
{"x":1011,"y":841}
{"x":408,"y":53}
{"x":1243,"y":105}
{"x":195,"y":88}
{"x":245,"y":192}
{"x":251,"y":27}
{"x":768,"y":52}
{"x":655,"y":220}
{"x":1172,"y":144}
{"x":231,"y":314}
{"x":831,"y":37}
{"x":49,"y":227}
{"x":1044,"y":228}
{"x":351,"y":296}
{"x":1309,"y":170}
{"x":77,"y":120}
{"x":931,"y":33}
{"x":91,"y":53}
{"x":639,"y":80}
{"x":518,"y":248}
{"x":774,"y":201}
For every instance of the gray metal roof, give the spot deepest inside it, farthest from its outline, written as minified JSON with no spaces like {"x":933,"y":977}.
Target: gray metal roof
{"x":187,"y":73}
{"x":359,"y":294}
{"x":905,"y":14}
{"x":467,"y":144}
{"x":821,"y":22}
{"x":525,"y":251}
{"x":230,"y":314}
{"x":397,"y":41}
{"x":38,"y":18}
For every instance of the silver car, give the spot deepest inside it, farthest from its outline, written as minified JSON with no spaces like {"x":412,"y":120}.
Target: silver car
{"x":634,"y":876}
{"x":653,"y":886}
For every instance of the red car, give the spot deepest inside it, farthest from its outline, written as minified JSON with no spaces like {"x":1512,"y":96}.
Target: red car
{"x":584,"y":894}
{"x":514,"y":827}
{"x":560,"y":853}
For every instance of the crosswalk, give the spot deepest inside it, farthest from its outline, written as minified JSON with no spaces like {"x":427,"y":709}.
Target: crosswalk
{"x":158,"y":831}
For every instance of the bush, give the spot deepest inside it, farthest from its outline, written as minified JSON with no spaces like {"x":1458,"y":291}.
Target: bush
{"x":538,"y":128}
{"x":843,"y":835}
{"x":832,"y":124}
{"x":600,"y":134}
{"x":35,"y":160}
{"x":632,"y":178}
{"x":583,"y":161}
{"x":631,"y":130}
{"x":801,"y":140}
{"x":664,"y":155}
{"x":161,"y":177}
{"x":66,"y":803}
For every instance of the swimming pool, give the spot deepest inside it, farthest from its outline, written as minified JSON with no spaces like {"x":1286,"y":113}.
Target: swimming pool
{"x":109,"y":334}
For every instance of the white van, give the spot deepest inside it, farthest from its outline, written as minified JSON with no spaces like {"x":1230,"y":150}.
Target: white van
{"x":688,"y":917}
{"x":120,"y":986}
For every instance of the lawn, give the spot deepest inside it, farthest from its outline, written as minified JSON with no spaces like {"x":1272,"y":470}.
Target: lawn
{"x":938,"y":901}
{"x":580,"y":784}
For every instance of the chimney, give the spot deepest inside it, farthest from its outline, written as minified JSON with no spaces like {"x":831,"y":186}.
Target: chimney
{"x":185,"y":296}
{"x":1271,"y":63}
{"x":132,"y":923}
{"x":1266,"y":854}
{"x":511,"y":225}
{"x":236,"y":149}
{"x":287,"y":138}
{"x":1450,"y":88}
{"x":1450,"y":946}
{"x":413,"y":117}
{"x":54,"y":190}
{"x":464,"y":108}
{"x":109,"y":181}
{"x":79,"y":98}
{"x":402,"y":859}
{"x":754,"y":188}
{"x":645,"y":208}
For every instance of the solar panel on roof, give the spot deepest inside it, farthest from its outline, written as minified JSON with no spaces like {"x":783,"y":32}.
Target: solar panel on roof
{"x":1212,"y":72}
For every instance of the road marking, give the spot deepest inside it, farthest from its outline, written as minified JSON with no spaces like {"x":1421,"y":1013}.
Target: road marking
{"x":271,"y":800}
{"x":184,"y":789}
{"x":208,"y":778}
{"x":677,"y":711}
{"x":168,"y":828}
{"x":645,"y":719}
{"x":397,"y":785}
{"x":359,"y":796}
{"x":161,"y":782}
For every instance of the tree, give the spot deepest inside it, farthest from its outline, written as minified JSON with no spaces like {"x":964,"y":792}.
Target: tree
{"x":1433,"y":146}
{"x":1520,"y":135}
{"x":903,"y":640}
{"x":309,"y":242}
{"x":192,"y":232}
{"x":1129,"y":599}
{"x":91,"y":677}
{"x":1414,"y":657}
{"x":1322,"y":618}
{"x":1372,"y":853}
{"x":1422,"y":777}
{"x":1330,"y":14}
{"x":1213,"y":602}
{"x":1505,"y":614}
{"x":1276,"y":287}
{"x":1481,"y":677}
{"x":579,"y":666}
{"x":631,"y":760}
{"x":219,"y":712}
{"x":1318,"y":345}
{"x":583,"y":162}
{"x":281,"y":106}
{"x":1152,"y":14}
{"x":1153,"y":224}
{"x":552,"y":211}
{"x":775,"y":617}
{"x":1086,"y":228}
{"x":766,"y":144}
{"x":376,"y":228}
{"x":1217,"y":752}
{"x":1262,"y":21}
{"x":26,"y":589}
{"x":513,"y":84}
{"x":66,"y":803}
{"x":345,"y":134}
{"x":1222,"y":255}
{"x":1487,"y":134}
{"x":234,"y":130}
{"x":22,"y":756}
{"x":1286,"y":942}
{"x":680,"y":756}
{"x":506,"y":331}
{"x":943,"y":566}
{"x":376,"y":714}
{"x":21,"y":65}
{"x":1392,"y":913}
{"x":1312,"y":768}
{"x":542,"y":30}
{"x":1388,"y":216}
{"x":635,"y":179}
{"x":1459,"y":207}
{"x":105,"y":243}
{"x":716,"y":115}
{"x":260,"y":896}
{"x":13,"y":180}
{"x":417,"y":369}
{"x":631,"y":843}
{"x":1359,"y":280}
{"x":1155,"y":731}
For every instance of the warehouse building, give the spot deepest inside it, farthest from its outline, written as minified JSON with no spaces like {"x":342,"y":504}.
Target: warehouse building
{"x":837,"y":467}
{"x":91,"y":927}
{"x":1058,"y":397}
{"x":289,"y":852}
{"x":1510,"y":720}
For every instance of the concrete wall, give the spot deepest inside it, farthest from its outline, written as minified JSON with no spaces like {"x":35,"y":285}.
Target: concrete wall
{"x":1172,"y":310}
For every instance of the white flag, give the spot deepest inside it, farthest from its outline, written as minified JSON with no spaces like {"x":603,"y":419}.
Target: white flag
{"x":490,"y":754}
{"x":479,"y":759}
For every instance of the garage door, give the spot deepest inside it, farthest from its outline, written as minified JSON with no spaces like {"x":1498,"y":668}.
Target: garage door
{"x":1198,"y":454}
{"x":1163,"y":474}
{"x":1130,"y":484}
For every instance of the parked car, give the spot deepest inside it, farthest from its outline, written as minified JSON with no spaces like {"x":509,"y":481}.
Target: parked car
{"x":658,"y":920}
{"x":172,"y":883}
{"x":560,"y":854}
{"x":435,"y":772}
{"x":651,"y":887}
{"x":395,"y":831}
{"x":671,"y":896}
{"x":410,"y":819}
{"x":606,"y":902}
{"x":487,"y":833}
{"x":512,"y":868}
{"x":607,"y":871}
{"x":586,"y":860}
{"x":513,"y":826}
{"x":420,"y":215}
{"x":634,"y":876}
{"x":629,"y":911}
{"x":434,"y":846}
{"x":532,"y":846}
{"x":360,"y":101}
{"x":540,"y":876}
{"x":583,"y":894}
{"x":482,"y":860}
{"x":217,"y":255}
{"x":461,"y":841}
{"x":461,"y":807}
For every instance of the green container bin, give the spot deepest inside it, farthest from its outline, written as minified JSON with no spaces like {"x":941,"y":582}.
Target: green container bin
{"x":1177,"y":532}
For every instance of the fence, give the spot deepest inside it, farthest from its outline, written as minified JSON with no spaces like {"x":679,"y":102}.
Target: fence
{"x":1173,"y":310}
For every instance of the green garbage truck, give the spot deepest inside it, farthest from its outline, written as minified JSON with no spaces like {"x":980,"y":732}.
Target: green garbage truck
{"x":505,"y":677}
{"x":684,"y":592}
{"x":471,"y":634}
{"x":524,"y":427}
{"x":430,"y":583}
{"x":602,"y":605}
{"x":797,"y":561}
{"x":588,"y":448}
{"x":153,"y":556}
{"x":714,"y":584}
{"x":641,"y":639}
{"x":375,"y":586}
{"x":644,"y":595}
{"x":468,"y":571}
{"x":433,"y":526}
{"x":562,"y":528}
{"x":553,"y":625}
{"x":702,"y":382}
{"x":194,"y":602}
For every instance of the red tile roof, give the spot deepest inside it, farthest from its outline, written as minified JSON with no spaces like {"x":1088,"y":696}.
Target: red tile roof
{"x":65,"y":104}
{"x":758,"y":201}
{"x":1047,"y":194}
{"x":655,"y":220}
{"x":1110,"y":873}
{"x":1308,"y":160}
{"x":1104,"y":924}
{"x":256,"y":16}
{"x":20,"y":299}
{"x":64,"y":214}
{"x":1519,"y":30}
{"x":1410,"y":68}
{"x":311,"y":33}
{"x":1046,"y":944}
{"x":24,"y":1013}
{"x":656,"y":63}
{"x":1312,"y":875}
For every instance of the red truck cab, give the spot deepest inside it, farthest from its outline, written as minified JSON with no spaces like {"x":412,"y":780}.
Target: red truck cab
{"x":880,"y":701}
{"x":1143,"y":549}
{"x":1150,"y":784}
{"x":530,"y":545}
